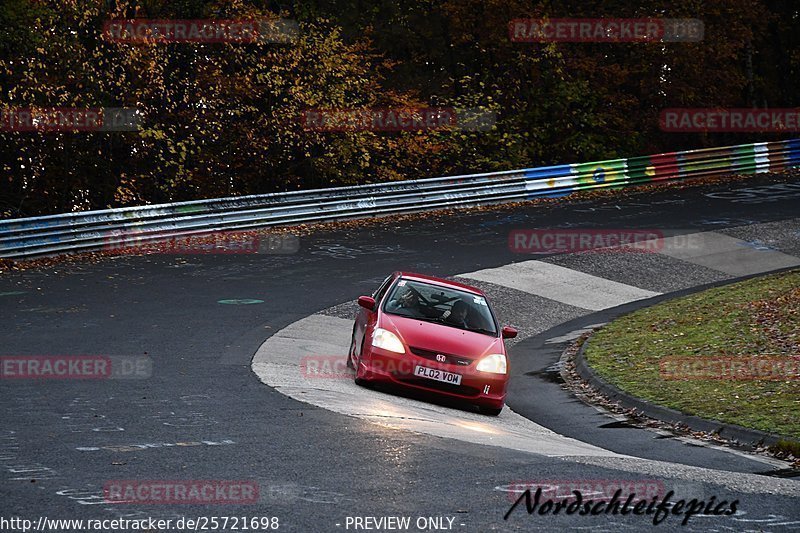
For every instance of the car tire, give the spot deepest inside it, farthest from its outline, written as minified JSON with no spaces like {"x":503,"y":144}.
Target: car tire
{"x":351,"y":350}
{"x":362,"y":382}
{"x":490,"y":411}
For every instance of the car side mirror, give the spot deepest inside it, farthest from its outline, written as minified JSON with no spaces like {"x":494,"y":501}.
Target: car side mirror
{"x":367,"y":302}
{"x":509,"y":332}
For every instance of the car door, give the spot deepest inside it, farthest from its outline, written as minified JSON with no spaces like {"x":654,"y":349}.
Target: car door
{"x":364,"y":317}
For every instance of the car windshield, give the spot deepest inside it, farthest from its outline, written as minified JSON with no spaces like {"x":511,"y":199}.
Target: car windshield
{"x":448,"y":306}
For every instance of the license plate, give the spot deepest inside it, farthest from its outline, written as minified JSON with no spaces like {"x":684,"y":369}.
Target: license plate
{"x":438,"y":375}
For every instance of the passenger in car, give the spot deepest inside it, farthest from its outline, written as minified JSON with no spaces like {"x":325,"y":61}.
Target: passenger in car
{"x":457,"y":315}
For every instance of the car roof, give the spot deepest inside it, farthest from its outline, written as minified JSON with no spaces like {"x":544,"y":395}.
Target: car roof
{"x":440,"y":281}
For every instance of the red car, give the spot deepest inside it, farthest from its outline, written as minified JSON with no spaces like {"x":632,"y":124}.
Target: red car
{"x":433,"y":335}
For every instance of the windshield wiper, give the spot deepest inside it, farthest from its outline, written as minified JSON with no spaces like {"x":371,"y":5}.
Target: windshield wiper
{"x":484,"y":331}
{"x":414,"y":317}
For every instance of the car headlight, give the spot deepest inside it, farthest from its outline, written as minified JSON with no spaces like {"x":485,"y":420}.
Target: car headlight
{"x":387,"y":340}
{"x":495,"y":363}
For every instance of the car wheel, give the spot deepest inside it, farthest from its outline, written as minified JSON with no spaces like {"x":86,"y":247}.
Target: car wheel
{"x":352,"y":350}
{"x":360,"y":379}
{"x":491,"y":411}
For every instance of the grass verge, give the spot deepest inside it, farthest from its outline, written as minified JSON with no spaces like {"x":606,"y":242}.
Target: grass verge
{"x":730,"y":353}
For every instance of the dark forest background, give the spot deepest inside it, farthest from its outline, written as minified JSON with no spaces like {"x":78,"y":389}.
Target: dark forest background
{"x":221,"y":119}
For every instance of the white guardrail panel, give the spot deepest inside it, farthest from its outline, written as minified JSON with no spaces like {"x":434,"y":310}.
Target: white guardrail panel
{"x":92,"y":230}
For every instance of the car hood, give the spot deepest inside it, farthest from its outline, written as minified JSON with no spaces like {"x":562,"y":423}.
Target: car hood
{"x":441,"y":338}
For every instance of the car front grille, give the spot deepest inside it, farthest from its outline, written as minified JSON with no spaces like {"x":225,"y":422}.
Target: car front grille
{"x":450,"y":359}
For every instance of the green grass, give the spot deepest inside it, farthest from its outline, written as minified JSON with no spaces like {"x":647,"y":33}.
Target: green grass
{"x":757,"y":317}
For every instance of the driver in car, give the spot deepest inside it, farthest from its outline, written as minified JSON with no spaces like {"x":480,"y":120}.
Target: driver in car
{"x":406,"y":304}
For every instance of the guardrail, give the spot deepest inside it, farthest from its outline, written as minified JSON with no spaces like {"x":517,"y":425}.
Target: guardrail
{"x":91,"y":230}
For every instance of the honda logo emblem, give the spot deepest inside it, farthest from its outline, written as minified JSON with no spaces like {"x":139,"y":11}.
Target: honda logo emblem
{"x":441,"y":358}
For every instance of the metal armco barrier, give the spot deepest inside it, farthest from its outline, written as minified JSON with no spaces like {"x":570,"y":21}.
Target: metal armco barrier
{"x":92,"y":230}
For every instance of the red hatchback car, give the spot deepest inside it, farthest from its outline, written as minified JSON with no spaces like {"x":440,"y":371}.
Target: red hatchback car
{"x":431,"y":334}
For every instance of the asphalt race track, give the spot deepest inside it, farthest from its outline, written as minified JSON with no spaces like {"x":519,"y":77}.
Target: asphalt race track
{"x":227,"y":400}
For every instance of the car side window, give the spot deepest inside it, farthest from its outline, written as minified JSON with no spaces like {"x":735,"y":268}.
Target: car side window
{"x":378,"y":295}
